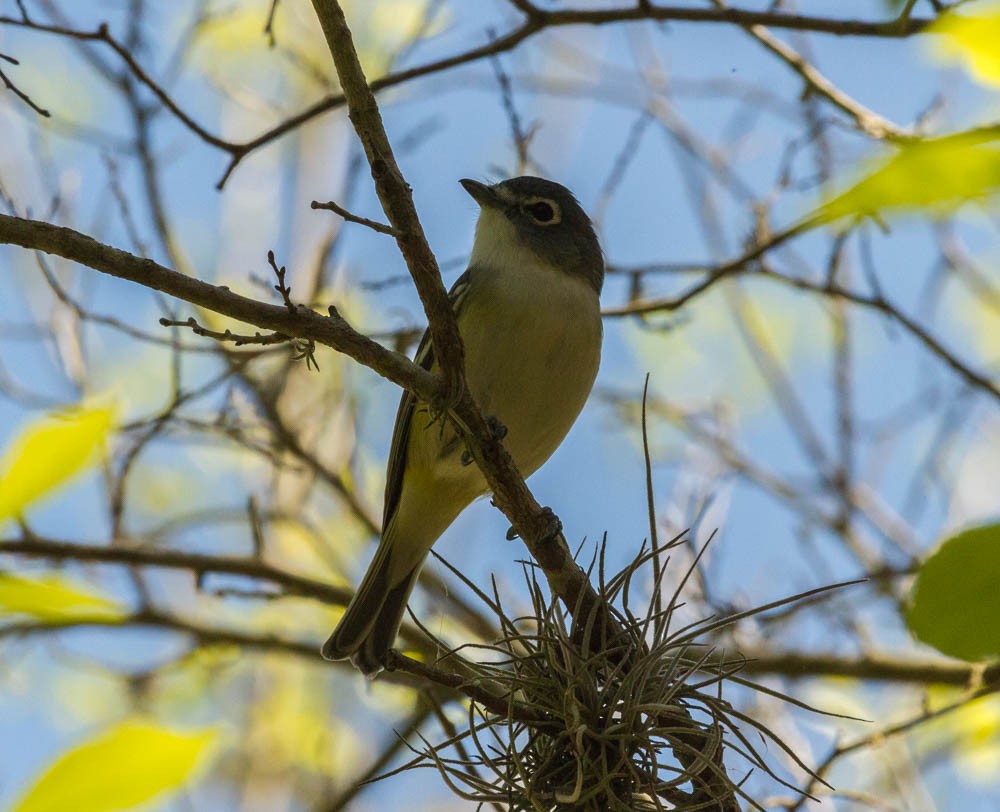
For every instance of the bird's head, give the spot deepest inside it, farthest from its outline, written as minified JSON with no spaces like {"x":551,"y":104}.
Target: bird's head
{"x":532,"y":216}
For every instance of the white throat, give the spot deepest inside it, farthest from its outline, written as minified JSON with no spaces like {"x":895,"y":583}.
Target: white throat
{"x":497,"y":244}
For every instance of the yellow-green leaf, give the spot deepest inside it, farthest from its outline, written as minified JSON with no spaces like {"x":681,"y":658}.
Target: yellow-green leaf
{"x":978,"y":740}
{"x":231,"y":40}
{"x":972,"y":39}
{"x":121,"y":768}
{"x":52,"y":599}
{"x":955,"y":604}
{"x":48,"y":453}
{"x":936,"y":175}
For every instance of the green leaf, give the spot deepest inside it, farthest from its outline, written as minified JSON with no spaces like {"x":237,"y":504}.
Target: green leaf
{"x":123,"y":767}
{"x":53,"y":599}
{"x":935,"y":175}
{"x":955,"y":603}
{"x":48,"y":453}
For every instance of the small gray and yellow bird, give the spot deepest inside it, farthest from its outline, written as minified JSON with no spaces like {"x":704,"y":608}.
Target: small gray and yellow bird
{"x":529,"y":315}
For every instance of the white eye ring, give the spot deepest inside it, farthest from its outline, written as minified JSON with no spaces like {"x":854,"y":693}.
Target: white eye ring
{"x":534,"y":206}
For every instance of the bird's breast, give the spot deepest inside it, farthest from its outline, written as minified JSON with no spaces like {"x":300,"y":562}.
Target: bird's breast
{"x":532,"y":339}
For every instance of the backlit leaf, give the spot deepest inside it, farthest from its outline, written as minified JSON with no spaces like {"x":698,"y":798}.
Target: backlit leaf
{"x":52,"y":599}
{"x":971,"y":37}
{"x":936,"y":175}
{"x":955,"y":604}
{"x":233,"y":46}
{"x":977,"y":728}
{"x":121,"y":768}
{"x":970,"y":735}
{"x":50,"y":452}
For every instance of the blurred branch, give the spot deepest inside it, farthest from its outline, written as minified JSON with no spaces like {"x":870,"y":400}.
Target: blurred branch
{"x":331,"y":331}
{"x":880,"y":736}
{"x":520,"y":137}
{"x":877,"y":301}
{"x":875,"y":666}
{"x":103,"y":35}
{"x":426,"y":707}
{"x":397,"y":200}
{"x":404,"y":671}
{"x":17,"y":91}
{"x":740,"y":264}
{"x":112,"y":322}
{"x":866,"y":120}
{"x":197,"y":564}
{"x":536,"y":20}
{"x":732,"y":16}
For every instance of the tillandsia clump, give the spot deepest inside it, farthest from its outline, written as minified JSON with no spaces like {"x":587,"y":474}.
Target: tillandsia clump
{"x":606,"y":709}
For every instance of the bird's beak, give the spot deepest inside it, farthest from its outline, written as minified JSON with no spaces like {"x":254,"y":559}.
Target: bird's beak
{"x":484,"y":195}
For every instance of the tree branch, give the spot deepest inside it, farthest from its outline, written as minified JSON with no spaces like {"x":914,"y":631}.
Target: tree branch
{"x":866,"y":120}
{"x":331,"y":331}
{"x":397,"y":199}
{"x":197,"y":564}
{"x":873,"y":666}
{"x":536,"y":21}
{"x":537,"y":527}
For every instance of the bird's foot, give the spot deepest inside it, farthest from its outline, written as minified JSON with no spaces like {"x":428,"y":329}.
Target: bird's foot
{"x":555,"y":526}
{"x":553,"y":529}
{"x":497,"y":429}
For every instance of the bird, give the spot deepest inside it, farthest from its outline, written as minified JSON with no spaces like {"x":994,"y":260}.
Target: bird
{"x":528,"y":311}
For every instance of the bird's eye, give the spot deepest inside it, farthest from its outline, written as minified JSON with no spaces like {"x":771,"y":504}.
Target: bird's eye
{"x":541,"y":211}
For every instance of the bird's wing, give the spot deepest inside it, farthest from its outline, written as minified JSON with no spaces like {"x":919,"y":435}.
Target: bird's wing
{"x":424,"y":357}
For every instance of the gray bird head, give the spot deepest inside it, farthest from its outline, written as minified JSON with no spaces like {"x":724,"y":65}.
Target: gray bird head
{"x":536,"y":215}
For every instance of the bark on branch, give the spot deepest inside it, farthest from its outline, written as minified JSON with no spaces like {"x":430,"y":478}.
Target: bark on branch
{"x":511,"y":495}
{"x":331,"y":331}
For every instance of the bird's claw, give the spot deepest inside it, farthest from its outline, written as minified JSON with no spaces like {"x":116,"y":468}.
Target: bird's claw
{"x":554,"y":526}
{"x":497,"y":429}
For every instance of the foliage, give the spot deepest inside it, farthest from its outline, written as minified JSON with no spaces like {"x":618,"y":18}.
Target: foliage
{"x":931,"y":177}
{"x":48,"y":453}
{"x":149,"y":760}
{"x":52,"y":599}
{"x":969,"y":36}
{"x":955,"y":605}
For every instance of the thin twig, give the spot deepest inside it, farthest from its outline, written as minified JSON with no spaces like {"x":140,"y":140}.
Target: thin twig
{"x":18,"y":92}
{"x":381,"y":228}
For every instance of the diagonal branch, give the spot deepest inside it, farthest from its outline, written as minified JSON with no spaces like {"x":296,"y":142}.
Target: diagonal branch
{"x":396,"y":198}
{"x":536,"y":526}
{"x":198,"y":564}
{"x":330,"y":331}
{"x":865,"y":119}
{"x":536,"y":20}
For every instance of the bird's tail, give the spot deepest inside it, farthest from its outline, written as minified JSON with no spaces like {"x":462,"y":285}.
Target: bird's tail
{"x":368,"y":628}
